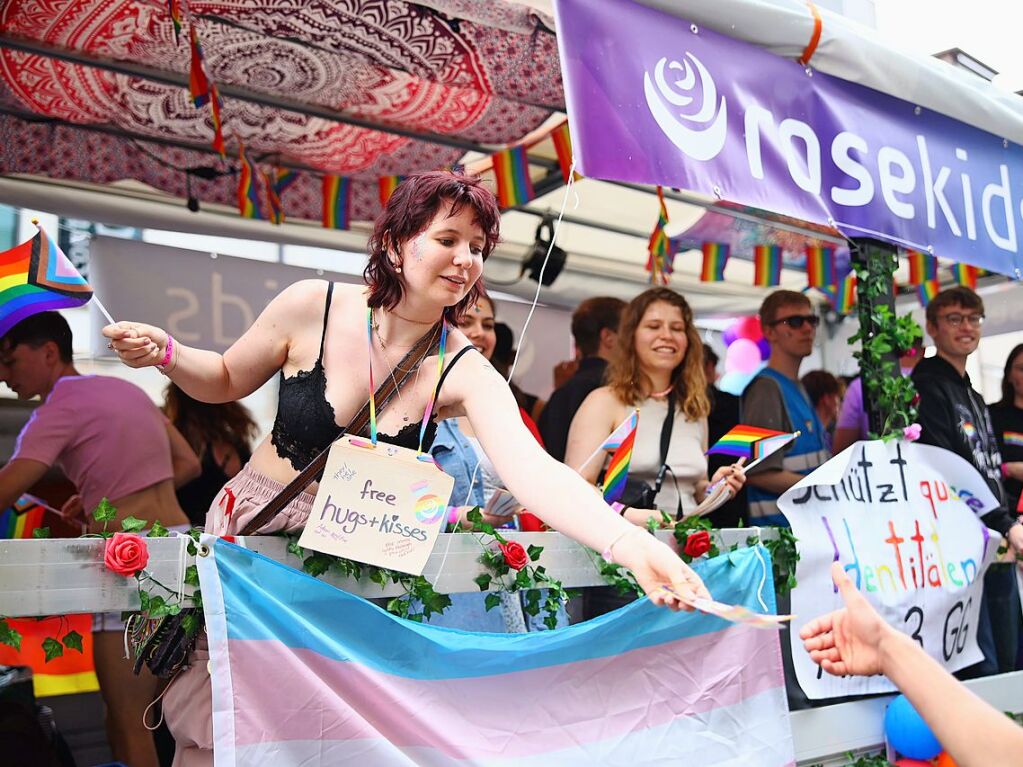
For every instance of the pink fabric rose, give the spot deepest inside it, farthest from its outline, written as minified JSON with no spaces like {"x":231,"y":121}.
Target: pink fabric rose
{"x":126,"y":554}
{"x":912,"y":432}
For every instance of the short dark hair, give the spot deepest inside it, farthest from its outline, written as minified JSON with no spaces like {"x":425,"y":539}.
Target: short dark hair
{"x":504,"y":343}
{"x":778,"y":299}
{"x":592,"y":316}
{"x":39,"y":329}
{"x":957,"y":296}
{"x":819,"y":384}
{"x":709,"y":355}
{"x":409,"y":211}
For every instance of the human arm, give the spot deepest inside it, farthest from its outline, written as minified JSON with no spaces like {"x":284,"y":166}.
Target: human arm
{"x":856,"y":641}
{"x":184,"y":461}
{"x":211,"y":377}
{"x":17,"y":476}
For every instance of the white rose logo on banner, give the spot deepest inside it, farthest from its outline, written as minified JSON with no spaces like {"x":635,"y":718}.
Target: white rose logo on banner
{"x":903,"y":520}
{"x":700,"y":135}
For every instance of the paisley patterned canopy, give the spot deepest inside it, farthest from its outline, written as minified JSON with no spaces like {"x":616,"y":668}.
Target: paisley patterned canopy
{"x":96,"y":90}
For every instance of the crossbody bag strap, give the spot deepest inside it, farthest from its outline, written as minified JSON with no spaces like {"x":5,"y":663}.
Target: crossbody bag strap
{"x":666,"y":428}
{"x":409,"y":363}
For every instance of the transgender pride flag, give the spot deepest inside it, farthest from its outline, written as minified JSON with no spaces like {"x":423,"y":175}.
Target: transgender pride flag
{"x":306,"y":674}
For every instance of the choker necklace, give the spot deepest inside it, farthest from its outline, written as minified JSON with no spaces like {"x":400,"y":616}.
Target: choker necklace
{"x":665,"y":393}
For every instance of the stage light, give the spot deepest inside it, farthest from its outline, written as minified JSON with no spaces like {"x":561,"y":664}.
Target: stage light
{"x":538,"y":252}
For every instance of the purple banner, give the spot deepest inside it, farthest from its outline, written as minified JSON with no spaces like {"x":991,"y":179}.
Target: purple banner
{"x":652,"y":99}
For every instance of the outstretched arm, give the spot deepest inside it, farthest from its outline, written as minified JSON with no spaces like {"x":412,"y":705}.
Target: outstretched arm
{"x":855,"y":640}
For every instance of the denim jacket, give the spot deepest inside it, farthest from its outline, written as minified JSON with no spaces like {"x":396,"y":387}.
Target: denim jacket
{"x":455,"y":456}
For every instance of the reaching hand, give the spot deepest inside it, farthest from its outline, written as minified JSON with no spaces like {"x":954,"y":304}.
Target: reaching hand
{"x":846,"y":641}
{"x":732,"y":475}
{"x":655,"y":566}
{"x":136,"y":344}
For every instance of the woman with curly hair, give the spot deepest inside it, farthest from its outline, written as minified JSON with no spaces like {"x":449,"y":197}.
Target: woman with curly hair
{"x":657,"y":365}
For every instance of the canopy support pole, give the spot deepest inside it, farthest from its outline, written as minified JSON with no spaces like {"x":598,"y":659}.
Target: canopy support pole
{"x":864,"y":252}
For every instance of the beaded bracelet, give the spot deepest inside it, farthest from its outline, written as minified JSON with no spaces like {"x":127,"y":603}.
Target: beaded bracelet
{"x":168,"y":352}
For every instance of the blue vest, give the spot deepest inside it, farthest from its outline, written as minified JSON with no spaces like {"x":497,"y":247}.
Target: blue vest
{"x":809,"y":450}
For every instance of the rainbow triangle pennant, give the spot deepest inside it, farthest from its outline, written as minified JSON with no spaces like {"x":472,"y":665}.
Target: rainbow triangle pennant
{"x":715,"y":256}
{"x":820,"y":266}
{"x":927,"y":290}
{"x":387,"y":186}
{"x":661,"y":261}
{"x":618,"y":468}
{"x":750,"y":442}
{"x":767,"y":265}
{"x":922,"y":267}
{"x":563,"y":149}
{"x":514,"y":187}
{"x":336,"y":202}
{"x":248,"y":186}
{"x":36,"y":276}
{"x":965,"y":275}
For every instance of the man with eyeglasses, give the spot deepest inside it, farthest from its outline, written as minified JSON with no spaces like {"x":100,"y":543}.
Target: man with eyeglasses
{"x":952,"y":415}
{"x":775,"y":399}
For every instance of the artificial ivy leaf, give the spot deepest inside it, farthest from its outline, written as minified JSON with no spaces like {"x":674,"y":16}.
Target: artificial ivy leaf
{"x":534,"y":552}
{"x":434,"y":602}
{"x":398,"y":606}
{"x":173,"y":609}
{"x":475,"y":516}
{"x":523,"y":579}
{"x":190,"y":623}
{"x":105,"y":511}
{"x":197,"y":600}
{"x":550,"y":621}
{"x":52,"y":648}
{"x":531,"y":610}
{"x":133,"y":525}
{"x":157,"y":530}
{"x":41,"y":532}
{"x":483,"y":581}
{"x":9,"y":636}
{"x":144,"y":601}
{"x":192,"y":549}
{"x":73,"y":641}
{"x":316,"y":565}
{"x":491,"y":601}
{"x":294,"y":548}
{"x":191,"y":575}
{"x":417,"y":617}
{"x":378,"y":576}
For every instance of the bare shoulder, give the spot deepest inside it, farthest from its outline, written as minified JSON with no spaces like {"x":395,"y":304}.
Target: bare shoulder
{"x":603,"y":400}
{"x":302,"y":298}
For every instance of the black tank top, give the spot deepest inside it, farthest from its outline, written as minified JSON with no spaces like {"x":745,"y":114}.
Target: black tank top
{"x":306,"y":422}
{"x":196,"y":496}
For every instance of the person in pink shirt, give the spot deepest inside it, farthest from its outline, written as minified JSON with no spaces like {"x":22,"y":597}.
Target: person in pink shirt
{"x":111,"y":441}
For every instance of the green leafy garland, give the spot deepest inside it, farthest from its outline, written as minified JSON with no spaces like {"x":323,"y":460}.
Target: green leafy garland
{"x":883,"y":335}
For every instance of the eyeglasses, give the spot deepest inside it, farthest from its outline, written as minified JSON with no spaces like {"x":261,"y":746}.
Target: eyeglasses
{"x":796,"y":321}
{"x":955,"y":319}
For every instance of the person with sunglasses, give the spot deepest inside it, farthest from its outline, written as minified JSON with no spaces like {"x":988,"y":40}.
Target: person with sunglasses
{"x":775,"y":399}
{"x":952,"y":415}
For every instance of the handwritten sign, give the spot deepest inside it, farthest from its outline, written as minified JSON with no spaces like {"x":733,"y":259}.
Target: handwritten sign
{"x":903,"y":519}
{"x":380,"y":505}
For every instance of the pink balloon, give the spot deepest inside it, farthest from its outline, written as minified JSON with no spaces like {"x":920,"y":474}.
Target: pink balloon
{"x":749,"y":327}
{"x":743,"y":356}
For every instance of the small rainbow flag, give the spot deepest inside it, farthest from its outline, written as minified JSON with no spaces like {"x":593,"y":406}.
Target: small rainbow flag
{"x":248,"y":188}
{"x":36,"y":276}
{"x":927,"y":290}
{"x":965,"y":275}
{"x":218,"y":131}
{"x":563,"y":148}
{"x":750,"y":442}
{"x":336,"y":202}
{"x":715,"y":256}
{"x":283,"y":179}
{"x":661,"y":262}
{"x":387,"y":186}
{"x":618,"y":469}
{"x":22,"y":517}
{"x":198,"y":80}
{"x":820,"y":266}
{"x":174,"y":8}
{"x":273,"y":199}
{"x":845,"y":294}
{"x":767,"y":265}
{"x":514,"y":187}
{"x":922,"y":267}
{"x":623,"y":430}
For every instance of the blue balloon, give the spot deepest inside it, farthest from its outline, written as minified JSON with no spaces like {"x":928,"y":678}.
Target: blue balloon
{"x":765,"y":349}
{"x":735,"y":382}
{"x":907,"y":732}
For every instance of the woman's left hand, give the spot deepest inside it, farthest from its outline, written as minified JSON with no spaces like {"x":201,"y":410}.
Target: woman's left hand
{"x":733,"y":476}
{"x":656,"y":566}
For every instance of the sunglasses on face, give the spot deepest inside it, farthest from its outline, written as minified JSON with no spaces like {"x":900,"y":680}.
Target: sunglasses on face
{"x":796,"y":321}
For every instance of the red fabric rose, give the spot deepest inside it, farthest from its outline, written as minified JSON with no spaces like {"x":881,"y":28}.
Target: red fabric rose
{"x":126,"y":554}
{"x":514,"y":555}
{"x":697,"y":544}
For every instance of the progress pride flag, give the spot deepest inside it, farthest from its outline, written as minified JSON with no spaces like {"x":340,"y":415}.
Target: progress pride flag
{"x":306,"y":674}
{"x":654,"y":99}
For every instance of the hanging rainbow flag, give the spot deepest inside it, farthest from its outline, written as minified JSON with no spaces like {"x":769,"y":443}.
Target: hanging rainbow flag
{"x":618,"y":469}
{"x":767,"y":265}
{"x":922,"y":267}
{"x":218,"y":130}
{"x":661,"y":262}
{"x":22,"y":518}
{"x":248,"y":187}
{"x":820,"y":266}
{"x":273,"y":199}
{"x":198,"y":80}
{"x":965,"y":275}
{"x":750,"y":442}
{"x":845,"y":294}
{"x":715,"y":256}
{"x":563,"y":149}
{"x":36,"y":276}
{"x":174,"y":8}
{"x":387,"y":186}
{"x":283,"y":179}
{"x":514,"y":186}
{"x":927,"y":290}
{"x":336,"y":202}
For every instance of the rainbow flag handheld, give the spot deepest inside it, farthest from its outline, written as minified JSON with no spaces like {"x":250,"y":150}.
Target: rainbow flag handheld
{"x":766,"y":265}
{"x":387,"y":186}
{"x":715,"y":256}
{"x":922,"y":267}
{"x":751,"y":442}
{"x":965,"y":275}
{"x":514,"y":187}
{"x":248,"y":187}
{"x":336,"y":202}
{"x":36,"y":276}
{"x":22,"y":518}
{"x":563,"y":149}
{"x":820,"y":266}
{"x":618,"y":469}
{"x":661,"y":261}
{"x":927,"y":290}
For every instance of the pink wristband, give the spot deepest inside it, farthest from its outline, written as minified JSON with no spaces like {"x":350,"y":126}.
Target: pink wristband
{"x":167,"y":353}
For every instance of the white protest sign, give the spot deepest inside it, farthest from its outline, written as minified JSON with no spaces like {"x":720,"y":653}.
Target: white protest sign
{"x":903,"y":520}
{"x":380,"y":505}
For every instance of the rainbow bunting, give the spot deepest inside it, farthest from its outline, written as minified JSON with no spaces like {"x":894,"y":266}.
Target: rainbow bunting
{"x":563,"y":148}
{"x":248,"y":187}
{"x":965,"y":275}
{"x":715,"y":256}
{"x":387,"y":186}
{"x":36,"y":276}
{"x":661,"y":262}
{"x":336,"y":202}
{"x":922,"y":267}
{"x":514,"y":187}
{"x":820,"y":266}
{"x":749,"y":442}
{"x":766,"y":265}
{"x":927,"y":290}
{"x":174,"y":8}
{"x":22,"y":517}
{"x":618,"y":469}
